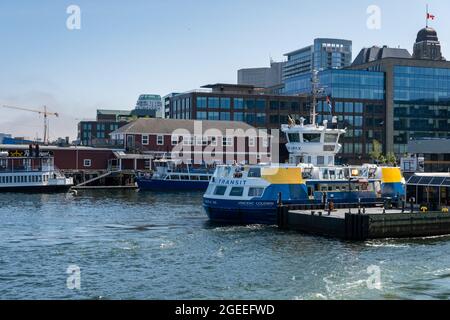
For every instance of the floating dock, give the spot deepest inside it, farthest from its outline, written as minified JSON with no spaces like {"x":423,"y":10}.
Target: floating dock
{"x":360,"y":224}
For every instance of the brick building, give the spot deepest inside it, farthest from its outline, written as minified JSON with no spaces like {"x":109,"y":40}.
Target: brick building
{"x":196,"y":141}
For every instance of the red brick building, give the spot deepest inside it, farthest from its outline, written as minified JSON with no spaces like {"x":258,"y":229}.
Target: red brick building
{"x":195,"y":141}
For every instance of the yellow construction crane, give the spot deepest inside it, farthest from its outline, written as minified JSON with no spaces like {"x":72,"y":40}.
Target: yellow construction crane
{"x":43,"y":112}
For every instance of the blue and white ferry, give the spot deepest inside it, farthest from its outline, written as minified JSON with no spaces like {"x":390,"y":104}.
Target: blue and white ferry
{"x":249,"y":194}
{"x":171,"y":175}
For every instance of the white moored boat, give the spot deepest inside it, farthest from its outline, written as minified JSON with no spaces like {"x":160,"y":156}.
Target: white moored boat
{"x":30,"y":171}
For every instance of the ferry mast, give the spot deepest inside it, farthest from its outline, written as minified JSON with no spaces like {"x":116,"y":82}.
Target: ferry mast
{"x":315,"y":90}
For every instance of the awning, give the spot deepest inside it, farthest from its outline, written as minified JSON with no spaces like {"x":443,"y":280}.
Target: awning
{"x":429,"y":181}
{"x":132,"y":156}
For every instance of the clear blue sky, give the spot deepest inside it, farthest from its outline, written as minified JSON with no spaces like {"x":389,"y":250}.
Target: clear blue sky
{"x":126,"y":48}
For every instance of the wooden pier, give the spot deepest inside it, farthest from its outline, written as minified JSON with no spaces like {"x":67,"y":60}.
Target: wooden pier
{"x":359,"y":224}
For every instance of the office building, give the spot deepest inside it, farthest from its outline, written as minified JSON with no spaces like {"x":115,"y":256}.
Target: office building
{"x":149,"y":105}
{"x":323,"y":54}
{"x":417,"y":94}
{"x":262,"y":77}
{"x":231,"y":102}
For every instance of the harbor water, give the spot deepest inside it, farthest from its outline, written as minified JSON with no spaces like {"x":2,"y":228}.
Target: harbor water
{"x":135,"y":245}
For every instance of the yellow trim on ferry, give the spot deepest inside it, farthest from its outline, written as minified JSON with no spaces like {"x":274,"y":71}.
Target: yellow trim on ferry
{"x":282,"y":175}
{"x":391,"y":175}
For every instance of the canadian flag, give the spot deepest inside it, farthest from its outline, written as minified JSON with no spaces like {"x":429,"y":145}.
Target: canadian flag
{"x":430,"y":16}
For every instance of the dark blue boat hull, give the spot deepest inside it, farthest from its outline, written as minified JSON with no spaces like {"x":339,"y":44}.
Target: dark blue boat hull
{"x":171,"y":185}
{"x":248,"y":212}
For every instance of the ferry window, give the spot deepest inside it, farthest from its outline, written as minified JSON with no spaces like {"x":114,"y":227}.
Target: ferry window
{"x":311,"y":137}
{"x":320,"y":160}
{"x":184,"y":177}
{"x":254,"y":173}
{"x":330,"y":138}
{"x":294,"y":137}
{"x":255,"y":192}
{"x":195,"y":178}
{"x":204,"y":178}
{"x":237,"y":192}
{"x":220,"y":190}
{"x":175,"y":177}
{"x":87,"y":162}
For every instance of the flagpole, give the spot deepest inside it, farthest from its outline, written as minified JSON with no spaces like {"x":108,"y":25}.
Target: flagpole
{"x":427,"y":17}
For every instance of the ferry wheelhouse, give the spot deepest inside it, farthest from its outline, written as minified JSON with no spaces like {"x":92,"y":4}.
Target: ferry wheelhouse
{"x":171,"y":175}
{"x":31,"y":172}
{"x":250,"y":194}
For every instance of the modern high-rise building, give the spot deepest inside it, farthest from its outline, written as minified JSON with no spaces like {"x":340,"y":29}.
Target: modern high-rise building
{"x":323,"y":54}
{"x":149,"y":104}
{"x":262,"y":77}
{"x":410,"y":94}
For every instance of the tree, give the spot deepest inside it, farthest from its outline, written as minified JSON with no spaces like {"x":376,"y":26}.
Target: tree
{"x":391,"y":159}
{"x":377,"y":153}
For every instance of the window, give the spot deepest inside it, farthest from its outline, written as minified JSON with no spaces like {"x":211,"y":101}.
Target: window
{"x":261,"y":105}
{"x":201,"y":102}
{"x":188,"y":140}
{"x":236,"y":192}
{"x":330,"y":138}
{"x":227,"y":141}
{"x":213,"y":141}
{"x":225,"y":116}
{"x":160,"y":140}
{"x":145,"y":140}
{"x":254,"y":173}
{"x":213,"y":103}
{"x":274,"y":105}
{"x":202,"y":115}
{"x":213,"y":116}
{"x":87,"y":163}
{"x":294,"y":137}
{"x":220,"y":191}
{"x":255,"y":192}
{"x":225,"y":103}
{"x":238,"y":116}
{"x":311,"y":137}
{"x":175,"y":140}
{"x":238,"y":103}
{"x":251,"y":141}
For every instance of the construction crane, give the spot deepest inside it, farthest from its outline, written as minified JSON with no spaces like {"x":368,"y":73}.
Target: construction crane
{"x":43,"y":112}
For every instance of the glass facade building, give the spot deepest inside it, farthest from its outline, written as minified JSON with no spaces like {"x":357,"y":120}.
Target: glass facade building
{"x":346,"y":84}
{"x":421,"y":104}
{"x":358,"y":100}
{"x":323,"y":54}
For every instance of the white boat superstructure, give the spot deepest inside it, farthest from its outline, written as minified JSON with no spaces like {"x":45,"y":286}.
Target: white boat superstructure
{"x":27,"y":173}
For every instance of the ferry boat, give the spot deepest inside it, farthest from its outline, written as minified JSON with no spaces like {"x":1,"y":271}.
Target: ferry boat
{"x":31,"y":171}
{"x":242,"y":194}
{"x":172,"y":175}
